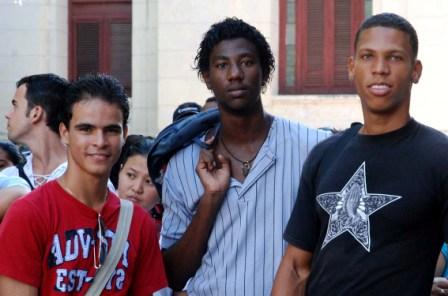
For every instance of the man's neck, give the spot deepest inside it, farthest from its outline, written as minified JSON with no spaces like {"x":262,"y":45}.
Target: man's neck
{"x":379,"y":124}
{"x":48,"y":153}
{"x":89,"y":190}
{"x":244,"y":129}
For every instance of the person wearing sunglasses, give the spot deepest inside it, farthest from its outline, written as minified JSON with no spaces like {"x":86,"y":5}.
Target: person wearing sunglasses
{"x":56,"y":240}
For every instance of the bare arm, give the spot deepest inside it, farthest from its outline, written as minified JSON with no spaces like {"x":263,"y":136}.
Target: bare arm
{"x":8,"y":195}
{"x":440,"y":284}
{"x":293,"y":272}
{"x":184,"y":258}
{"x":9,"y":286}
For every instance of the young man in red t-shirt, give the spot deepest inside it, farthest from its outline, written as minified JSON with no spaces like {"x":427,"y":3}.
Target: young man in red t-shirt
{"x":54,"y":240}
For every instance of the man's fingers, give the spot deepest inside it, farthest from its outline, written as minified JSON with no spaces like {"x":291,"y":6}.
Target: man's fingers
{"x":224,"y":162}
{"x":210,"y":140}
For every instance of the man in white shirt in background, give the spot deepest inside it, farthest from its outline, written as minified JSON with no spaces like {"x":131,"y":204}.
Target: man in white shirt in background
{"x":33,"y":121}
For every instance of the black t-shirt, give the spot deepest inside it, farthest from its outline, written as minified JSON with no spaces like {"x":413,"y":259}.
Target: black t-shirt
{"x":373,"y":211}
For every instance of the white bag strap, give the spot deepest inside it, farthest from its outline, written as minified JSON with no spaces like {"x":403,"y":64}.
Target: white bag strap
{"x":118,"y":242}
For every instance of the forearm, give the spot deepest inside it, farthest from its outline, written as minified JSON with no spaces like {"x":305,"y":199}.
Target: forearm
{"x":293,"y":272}
{"x":183,"y":259}
{"x":9,"y":286}
{"x":289,"y":282}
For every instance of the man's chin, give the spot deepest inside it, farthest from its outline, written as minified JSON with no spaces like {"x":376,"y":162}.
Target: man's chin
{"x":240,"y":110}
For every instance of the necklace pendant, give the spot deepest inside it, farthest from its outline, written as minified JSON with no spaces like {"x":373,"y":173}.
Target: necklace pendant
{"x":246,"y":168}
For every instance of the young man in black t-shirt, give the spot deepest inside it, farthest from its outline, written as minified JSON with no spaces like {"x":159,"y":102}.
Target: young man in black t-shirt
{"x":371,"y":213}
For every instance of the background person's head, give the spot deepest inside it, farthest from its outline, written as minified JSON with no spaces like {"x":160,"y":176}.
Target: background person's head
{"x":186,"y":109}
{"x":210,"y":103}
{"x":134,"y":182}
{"x":38,"y":98}
{"x":10,"y":155}
{"x":233,"y":28}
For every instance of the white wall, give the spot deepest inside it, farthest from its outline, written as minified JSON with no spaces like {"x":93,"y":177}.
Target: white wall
{"x":430,"y":19}
{"x":181,"y":25}
{"x":166,"y":35}
{"x":144,"y":115}
{"x":34,"y":40}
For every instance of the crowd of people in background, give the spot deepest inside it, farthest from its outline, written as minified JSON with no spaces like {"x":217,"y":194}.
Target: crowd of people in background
{"x":272,"y":207}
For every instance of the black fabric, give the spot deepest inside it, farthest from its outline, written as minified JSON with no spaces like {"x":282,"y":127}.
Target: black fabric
{"x":176,"y":136}
{"x":395,"y":252}
{"x":24,"y":176}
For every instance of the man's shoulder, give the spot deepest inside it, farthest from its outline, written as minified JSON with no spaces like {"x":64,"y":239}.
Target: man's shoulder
{"x":430,"y":135}
{"x":43,"y":194}
{"x":299,"y":127}
{"x":12,"y":181}
{"x":11,"y":171}
{"x":190,"y":152}
{"x":334,"y":139}
{"x":34,"y":204}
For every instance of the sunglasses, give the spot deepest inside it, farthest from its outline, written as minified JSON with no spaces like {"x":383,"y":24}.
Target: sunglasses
{"x":101,"y":244}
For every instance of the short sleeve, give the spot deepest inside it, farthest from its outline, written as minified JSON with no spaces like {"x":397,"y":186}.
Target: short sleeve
{"x":12,"y":181}
{"x":22,"y":243}
{"x":176,"y":216}
{"x":303,"y":227}
{"x":10,"y":171}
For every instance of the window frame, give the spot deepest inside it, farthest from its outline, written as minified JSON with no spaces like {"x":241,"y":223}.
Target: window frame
{"x":91,"y":11}
{"x":301,"y":34}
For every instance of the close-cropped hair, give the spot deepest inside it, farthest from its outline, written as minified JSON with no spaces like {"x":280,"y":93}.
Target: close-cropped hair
{"x":47,"y":91}
{"x":101,"y":86}
{"x":13,"y":152}
{"x":232,"y":28}
{"x":134,"y":145}
{"x":393,"y":21}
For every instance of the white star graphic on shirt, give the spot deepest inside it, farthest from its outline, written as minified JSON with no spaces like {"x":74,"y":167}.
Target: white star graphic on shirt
{"x":350,"y":209}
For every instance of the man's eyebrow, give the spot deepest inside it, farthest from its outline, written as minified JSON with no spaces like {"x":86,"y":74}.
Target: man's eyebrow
{"x":83,"y":124}
{"x":115,"y":127}
{"x":220,"y":57}
{"x":241,"y":55}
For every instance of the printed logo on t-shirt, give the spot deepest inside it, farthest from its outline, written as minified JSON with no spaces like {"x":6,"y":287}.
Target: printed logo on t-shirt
{"x":78,"y":246}
{"x":350,"y":208}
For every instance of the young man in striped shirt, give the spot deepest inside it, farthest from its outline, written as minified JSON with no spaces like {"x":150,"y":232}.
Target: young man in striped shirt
{"x":222,"y":227}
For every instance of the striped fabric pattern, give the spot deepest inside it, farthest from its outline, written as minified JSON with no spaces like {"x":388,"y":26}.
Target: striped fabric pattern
{"x":246,"y":245}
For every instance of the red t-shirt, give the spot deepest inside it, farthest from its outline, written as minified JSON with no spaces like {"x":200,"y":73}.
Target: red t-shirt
{"x":46,"y":240}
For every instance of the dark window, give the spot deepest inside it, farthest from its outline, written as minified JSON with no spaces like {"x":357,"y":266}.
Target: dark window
{"x":316,"y":38}
{"x":101,"y":39}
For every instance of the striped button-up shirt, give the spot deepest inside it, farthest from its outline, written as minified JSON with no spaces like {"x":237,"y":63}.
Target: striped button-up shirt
{"x":245,"y":246}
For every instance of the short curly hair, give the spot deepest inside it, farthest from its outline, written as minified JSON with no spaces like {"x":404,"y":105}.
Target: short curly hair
{"x":231,"y":28}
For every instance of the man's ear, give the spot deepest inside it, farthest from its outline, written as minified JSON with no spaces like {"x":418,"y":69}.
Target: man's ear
{"x":351,"y":68}
{"x":417,"y":71}
{"x":63,"y":133}
{"x":125,"y":132}
{"x":206,"y":78}
{"x":36,"y":114}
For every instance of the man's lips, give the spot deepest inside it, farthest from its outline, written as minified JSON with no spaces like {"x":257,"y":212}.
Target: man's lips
{"x":98,"y":156}
{"x":380,"y":89}
{"x":237,"y":92}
